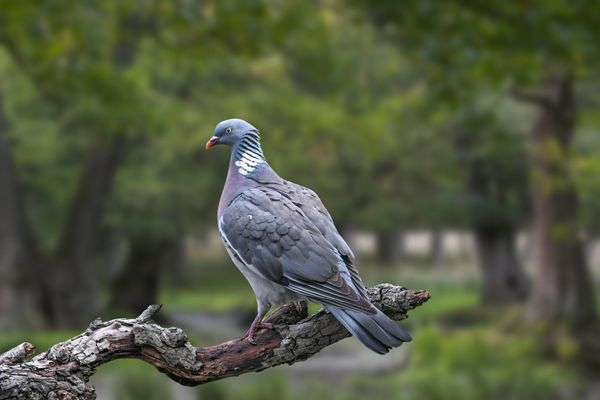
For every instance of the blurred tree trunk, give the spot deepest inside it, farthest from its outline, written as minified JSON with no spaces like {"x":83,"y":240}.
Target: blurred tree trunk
{"x":69,"y":294}
{"x":110,"y":253}
{"x":436,"y":247}
{"x":72,"y":287}
{"x":18,"y":301}
{"x":138,"y":283}
{"x":72,"y":290}
{"x":563,"y":286}
{"x":503,"y":280}
{"x":176,"y":260}
{"x":390,"y":246}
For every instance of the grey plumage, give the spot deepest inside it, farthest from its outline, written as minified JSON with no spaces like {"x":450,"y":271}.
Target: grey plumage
{"x":283,"y":240}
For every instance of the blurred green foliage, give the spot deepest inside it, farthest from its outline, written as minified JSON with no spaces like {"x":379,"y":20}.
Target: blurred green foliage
{"x":328,"y":94}
{"x":463,"y":45}
{"x":480,"y":364}
{"x":336,"y":103}
{"x":378,"y":108}
{"x":133,"y":383}
{"x":42,"y":340}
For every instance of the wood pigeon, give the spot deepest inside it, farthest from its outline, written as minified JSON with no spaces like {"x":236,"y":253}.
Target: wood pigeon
{"x":282,"y":239}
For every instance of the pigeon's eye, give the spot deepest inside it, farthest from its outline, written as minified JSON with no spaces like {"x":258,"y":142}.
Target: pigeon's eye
{"x":227,"y":130}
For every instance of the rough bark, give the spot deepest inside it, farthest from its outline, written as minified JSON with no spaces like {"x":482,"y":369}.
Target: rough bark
{"x":63,"y":372}
{"x":563,"y":288}
{"x":18,"y":302}
{"x":17,"y":354}
{"x":72,"y":305}
{"x":503,"y":279}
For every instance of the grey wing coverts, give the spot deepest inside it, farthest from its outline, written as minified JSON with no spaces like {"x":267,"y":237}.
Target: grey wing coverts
{"x":286,"y":235}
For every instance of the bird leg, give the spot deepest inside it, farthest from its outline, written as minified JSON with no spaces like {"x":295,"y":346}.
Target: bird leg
{"x":256,"y":325}
{"x":298,"y":305}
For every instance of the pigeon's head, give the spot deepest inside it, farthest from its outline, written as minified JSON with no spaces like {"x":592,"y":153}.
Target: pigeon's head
{"x":230,"y":132}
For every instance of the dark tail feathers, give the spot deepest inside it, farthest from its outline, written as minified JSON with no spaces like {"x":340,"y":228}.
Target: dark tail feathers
{"x":376,"y":331}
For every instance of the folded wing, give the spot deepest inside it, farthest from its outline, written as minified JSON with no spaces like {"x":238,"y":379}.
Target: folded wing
{"x":272,"y":233}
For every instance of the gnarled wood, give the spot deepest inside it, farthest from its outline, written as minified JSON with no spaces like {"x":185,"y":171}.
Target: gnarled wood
{"x":63,"y":371}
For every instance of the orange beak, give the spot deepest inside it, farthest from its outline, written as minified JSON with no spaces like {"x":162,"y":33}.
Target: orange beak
{"x":211,"y":142}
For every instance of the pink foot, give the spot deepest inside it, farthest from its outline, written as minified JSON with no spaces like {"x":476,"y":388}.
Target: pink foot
{"x":298,"y":305}
{"x":256,"y":325}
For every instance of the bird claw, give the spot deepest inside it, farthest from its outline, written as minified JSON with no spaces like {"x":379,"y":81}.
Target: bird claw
{"x":249,"y":335}
{"x":298,"y":306}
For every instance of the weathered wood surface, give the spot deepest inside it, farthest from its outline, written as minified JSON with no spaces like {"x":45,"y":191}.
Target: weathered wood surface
{"x":63,"y":372}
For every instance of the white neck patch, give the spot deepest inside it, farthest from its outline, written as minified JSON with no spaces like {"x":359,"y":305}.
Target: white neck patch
{"x":248,"y":162}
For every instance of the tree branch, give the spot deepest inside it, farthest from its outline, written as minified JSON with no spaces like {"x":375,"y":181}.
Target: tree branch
{"x":65,"y":369}
{"x":17,"y":354}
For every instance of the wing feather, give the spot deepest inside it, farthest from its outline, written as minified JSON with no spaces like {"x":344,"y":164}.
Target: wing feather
{"x":275,"y":236}
{"x":314,"y":209}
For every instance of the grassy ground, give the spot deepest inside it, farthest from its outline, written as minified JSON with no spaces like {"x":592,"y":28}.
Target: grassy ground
{"x":460,"y":349}
{"x":479,"y":363}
